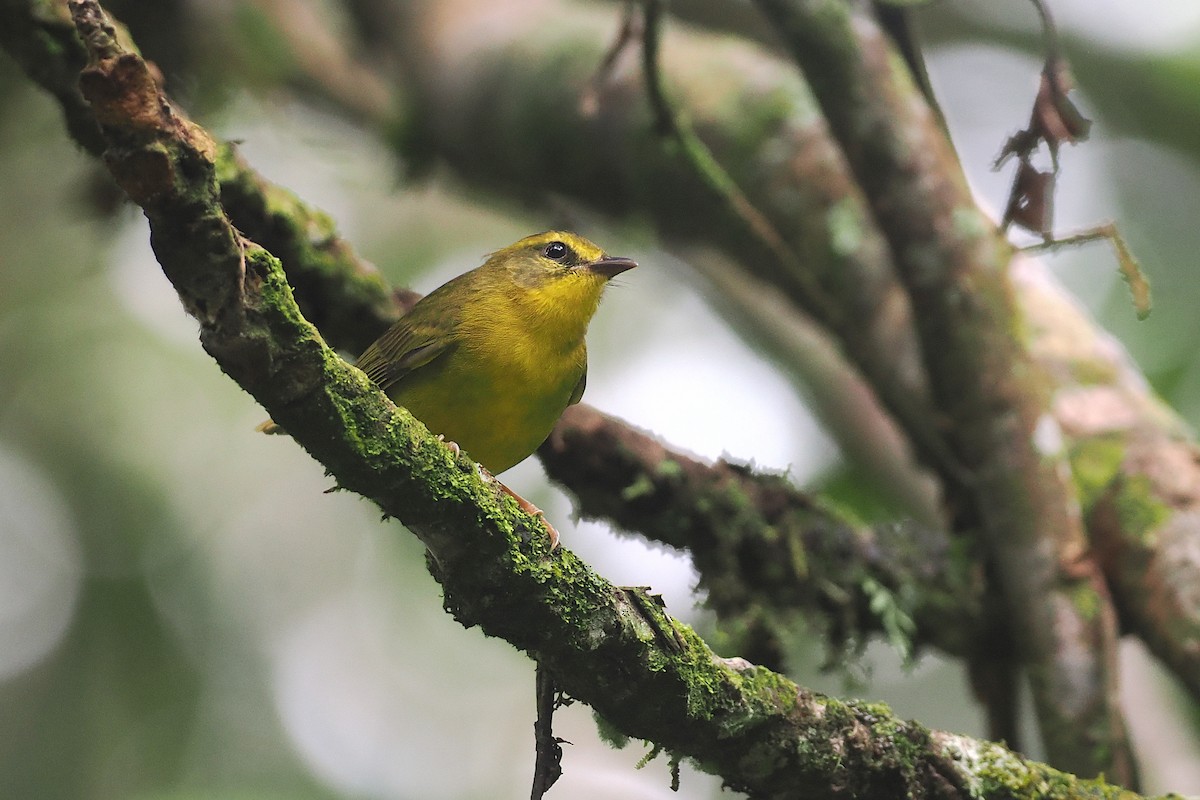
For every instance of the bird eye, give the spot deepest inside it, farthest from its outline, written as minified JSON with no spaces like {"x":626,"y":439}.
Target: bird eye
{"x":556,"y":251}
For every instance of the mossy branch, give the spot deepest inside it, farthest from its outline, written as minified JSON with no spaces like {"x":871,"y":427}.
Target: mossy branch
{"x":39,"y":36}
{"x":763,"y":548}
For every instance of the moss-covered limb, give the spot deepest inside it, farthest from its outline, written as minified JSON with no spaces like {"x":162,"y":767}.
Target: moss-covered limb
{"x":1015,"y":481}
{"x":1058,"y":326}
{"x":764,"y":548}
{"x":642,"y":670}
{"x":996,"y":772}
{"x":345,"y":297}
{"x":39,"y":36}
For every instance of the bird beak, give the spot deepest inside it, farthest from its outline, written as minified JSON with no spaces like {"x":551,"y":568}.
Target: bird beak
{"x":611,"y":266}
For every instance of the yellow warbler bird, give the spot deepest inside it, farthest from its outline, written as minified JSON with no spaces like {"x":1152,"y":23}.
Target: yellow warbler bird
{"x":492,"y":358}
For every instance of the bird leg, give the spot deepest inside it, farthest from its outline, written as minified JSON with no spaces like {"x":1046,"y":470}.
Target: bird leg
{"x":530,"y":508}
{"x":525,"y":505}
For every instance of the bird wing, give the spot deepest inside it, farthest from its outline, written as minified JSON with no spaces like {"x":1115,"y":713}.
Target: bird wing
{"x":417,"y":339}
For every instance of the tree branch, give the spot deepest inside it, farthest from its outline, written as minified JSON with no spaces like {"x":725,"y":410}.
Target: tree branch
{"x":763,"y":547}
{"x":345,"y":297}
{"x":1018,"y":488}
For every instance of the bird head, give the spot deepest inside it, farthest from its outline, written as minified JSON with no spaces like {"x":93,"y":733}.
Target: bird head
{"x":558,"y":275}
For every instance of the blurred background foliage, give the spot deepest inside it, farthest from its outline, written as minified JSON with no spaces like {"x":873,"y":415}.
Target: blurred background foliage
{"x":184,"y":614}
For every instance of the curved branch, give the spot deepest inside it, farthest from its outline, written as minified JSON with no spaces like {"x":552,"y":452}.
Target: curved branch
{"x":344,"y":296}
{"x":762,"y":546}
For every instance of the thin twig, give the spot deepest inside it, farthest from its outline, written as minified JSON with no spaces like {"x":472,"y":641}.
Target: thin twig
{"x":1131,"y":270}
{"x":672,"y":124}
{"x":547,"y":768}
{"x":629,"y":32}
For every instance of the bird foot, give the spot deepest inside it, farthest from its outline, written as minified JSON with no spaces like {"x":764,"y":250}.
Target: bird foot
{"x":530,"y":508}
